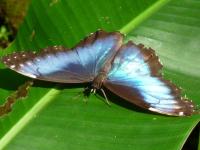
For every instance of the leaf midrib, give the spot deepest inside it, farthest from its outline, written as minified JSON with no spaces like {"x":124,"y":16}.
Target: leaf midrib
{"x":143,"y":16}
{"x":49,"y":96}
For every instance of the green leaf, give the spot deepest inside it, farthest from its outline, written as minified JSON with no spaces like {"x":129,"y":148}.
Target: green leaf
{"x":52,"y":118}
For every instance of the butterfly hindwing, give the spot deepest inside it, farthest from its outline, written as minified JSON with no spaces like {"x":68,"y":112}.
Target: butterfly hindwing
{"x":59,"y":64}
{"x":135,"y":76}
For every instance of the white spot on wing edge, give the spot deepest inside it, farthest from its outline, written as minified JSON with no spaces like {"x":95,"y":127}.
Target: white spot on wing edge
{"x":29,"y":75}
{"x":153,"y":109}
{"x":157,"y":110}
{"x":26,"y":74}
{"x":23,"y":73}
{"x":21,"y":65}
{"x":37,"y":59}
{"x":12,"y":66}
{"x":29,"y":63}
{"x":181,"y":113}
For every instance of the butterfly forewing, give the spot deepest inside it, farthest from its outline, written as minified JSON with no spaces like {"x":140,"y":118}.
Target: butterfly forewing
{"x":135,"y":76}
{"x":97,"y":49}
{"x":59,"y":64}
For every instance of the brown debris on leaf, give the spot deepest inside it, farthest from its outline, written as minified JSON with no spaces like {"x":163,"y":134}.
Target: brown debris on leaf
{"x":21,"y":92}
{"x":12,"y":13}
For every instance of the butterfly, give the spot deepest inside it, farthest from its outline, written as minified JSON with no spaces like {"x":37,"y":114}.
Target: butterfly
{"x":131,"y":71}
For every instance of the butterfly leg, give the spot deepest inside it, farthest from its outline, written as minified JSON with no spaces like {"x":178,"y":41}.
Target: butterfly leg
{"x":86,"y":93}
{"x":77,"y":96}
{"x":85,"y":99}
{"x":106,"y":99}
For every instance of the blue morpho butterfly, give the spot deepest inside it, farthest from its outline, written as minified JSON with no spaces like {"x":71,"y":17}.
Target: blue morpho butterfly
{"x":128,"y":70}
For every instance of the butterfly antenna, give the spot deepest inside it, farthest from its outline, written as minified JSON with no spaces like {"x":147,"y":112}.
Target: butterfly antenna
{"x":106,"y":99}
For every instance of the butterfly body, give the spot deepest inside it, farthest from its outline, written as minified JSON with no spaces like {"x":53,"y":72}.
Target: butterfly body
{"x":128,"y":70}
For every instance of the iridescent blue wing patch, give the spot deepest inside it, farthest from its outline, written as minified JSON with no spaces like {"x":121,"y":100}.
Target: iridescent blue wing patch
{"x":59,"y":64}
{"x":135,"y":76}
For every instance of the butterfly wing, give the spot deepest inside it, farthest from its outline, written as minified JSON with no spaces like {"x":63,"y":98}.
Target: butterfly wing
{"x":135,"y":77}
{"x":59,"y":64}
